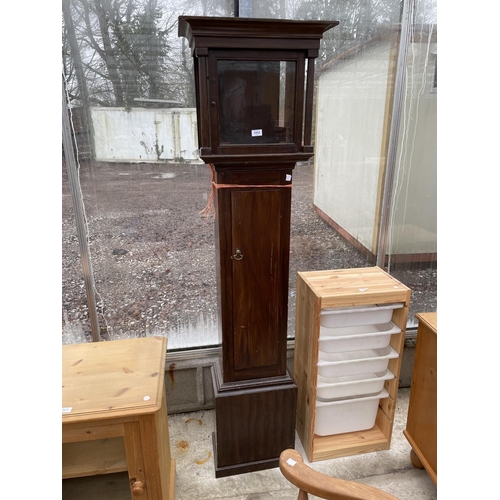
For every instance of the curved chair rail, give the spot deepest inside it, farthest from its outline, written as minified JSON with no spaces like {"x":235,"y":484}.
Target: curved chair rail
{"x":310,"y":481}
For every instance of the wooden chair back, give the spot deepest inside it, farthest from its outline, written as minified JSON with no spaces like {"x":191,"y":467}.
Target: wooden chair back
{"x":308,"y":480}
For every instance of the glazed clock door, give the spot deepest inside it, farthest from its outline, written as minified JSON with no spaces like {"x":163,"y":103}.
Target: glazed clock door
{"x":255,"y":102}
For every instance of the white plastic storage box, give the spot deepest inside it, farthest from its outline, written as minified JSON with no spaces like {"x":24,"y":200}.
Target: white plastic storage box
{"x":338,"y":364}
{"x":347,"y":415}
{"x":357,"y":315}
{"x":354,"y":338}
{"x":351,"y":385}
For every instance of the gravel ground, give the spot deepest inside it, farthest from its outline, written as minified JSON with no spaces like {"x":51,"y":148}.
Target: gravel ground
{"x":153,"y":254}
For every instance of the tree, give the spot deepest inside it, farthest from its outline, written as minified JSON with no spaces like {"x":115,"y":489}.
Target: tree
{"x":359,"y":20}
{"x":123,"y":47}
{"x":130,"y":49}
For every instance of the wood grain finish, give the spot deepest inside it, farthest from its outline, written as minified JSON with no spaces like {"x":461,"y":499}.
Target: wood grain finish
{"x":308,"y":480}
{"x":230,"y":31}
{"x":250,"y":126}
{"x":103,"y":380}
{"x":256,"y":305}
{"x":317,"y":290}
{"x":79,"y":459}
{"x":255,"y":422}
{"x":214,"y":39}
{"x":421,"y":425}
{"x":253,"y":292}
{"x":115,"y":414}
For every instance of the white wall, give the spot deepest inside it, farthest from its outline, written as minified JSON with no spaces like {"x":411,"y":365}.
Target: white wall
{"x":348,"y":150}
{"x":144,"y":134}
{"x":350,"y":120}
{"x":413,"y":227}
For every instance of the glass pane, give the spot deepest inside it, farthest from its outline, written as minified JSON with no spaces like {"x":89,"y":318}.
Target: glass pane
{"x":143,"y":185}
{"x":256,"y":101}
{"x":75,"y":314}
{"x":412,"y":230}
{"x":344,"y":189}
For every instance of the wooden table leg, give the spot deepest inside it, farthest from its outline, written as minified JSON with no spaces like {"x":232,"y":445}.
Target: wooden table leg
{"x":151,"y":469}
{"x":139,"y":487}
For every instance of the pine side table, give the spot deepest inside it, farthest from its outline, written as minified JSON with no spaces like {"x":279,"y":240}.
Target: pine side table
{"x":114,"y":414}
{"x":421,"y":425}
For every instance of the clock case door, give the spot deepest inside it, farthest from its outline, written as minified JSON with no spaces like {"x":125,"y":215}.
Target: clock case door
{"x":253,"y":245}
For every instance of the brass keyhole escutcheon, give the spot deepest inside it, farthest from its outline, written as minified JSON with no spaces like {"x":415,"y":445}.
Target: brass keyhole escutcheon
{"x":238,"y":255}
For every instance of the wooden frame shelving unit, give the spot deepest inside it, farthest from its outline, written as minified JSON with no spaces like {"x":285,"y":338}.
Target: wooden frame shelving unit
{"x":317,"y":290}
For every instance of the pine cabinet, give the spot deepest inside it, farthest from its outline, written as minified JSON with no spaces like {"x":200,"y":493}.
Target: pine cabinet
{"x":344,"y":288}
{"x":421,"y":425}
{"x":114,"y":415}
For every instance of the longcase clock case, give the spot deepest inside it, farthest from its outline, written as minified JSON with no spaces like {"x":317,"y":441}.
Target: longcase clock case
{"x":254,"y":82}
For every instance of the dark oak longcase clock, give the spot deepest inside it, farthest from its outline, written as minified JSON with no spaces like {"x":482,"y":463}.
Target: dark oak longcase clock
{"x":254,"y":83}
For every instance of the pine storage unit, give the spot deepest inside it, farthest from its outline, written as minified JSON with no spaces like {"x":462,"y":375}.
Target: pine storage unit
{"x":344,"y":301}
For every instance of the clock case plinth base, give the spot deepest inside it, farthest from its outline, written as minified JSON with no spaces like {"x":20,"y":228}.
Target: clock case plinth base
{"x":254,"y":421}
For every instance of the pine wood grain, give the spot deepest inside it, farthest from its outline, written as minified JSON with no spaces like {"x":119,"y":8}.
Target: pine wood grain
{"x":115,"y":414}
{"x":421,"y":425}
{"x":112,"y":379}
{"x":310,"y":481}
{"x":102,"y":456}
{"x":317,"y":290}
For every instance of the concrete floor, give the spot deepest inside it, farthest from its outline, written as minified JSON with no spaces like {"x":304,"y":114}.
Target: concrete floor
{"x":191,"y":446}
